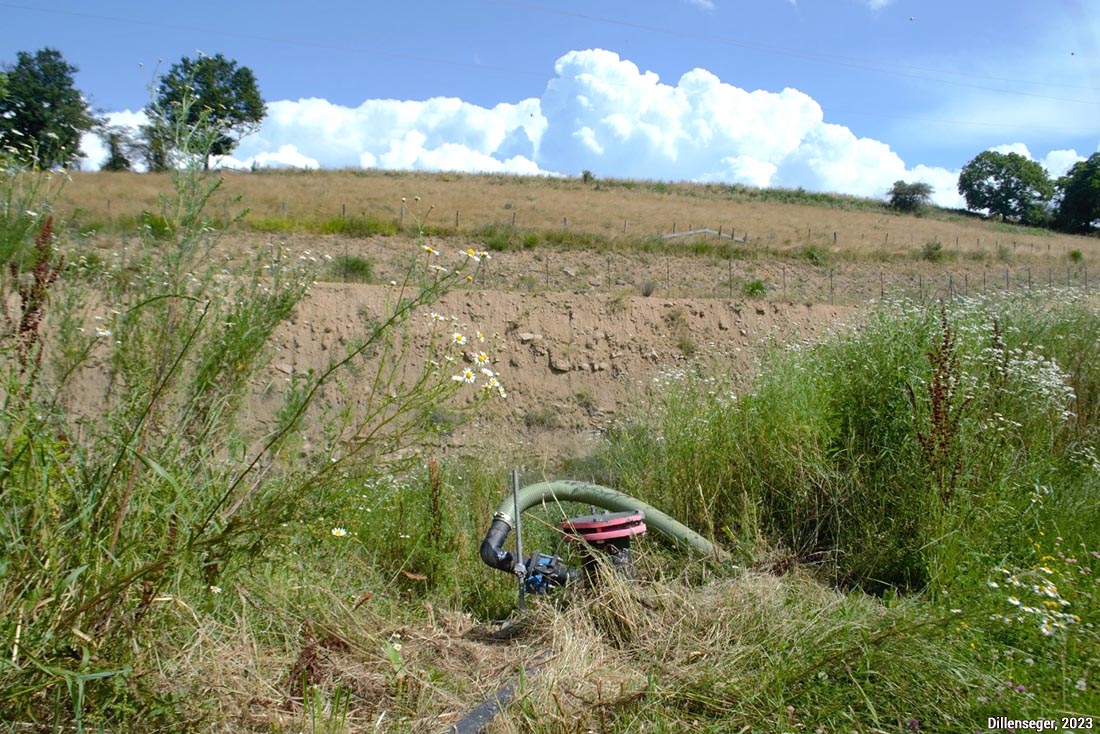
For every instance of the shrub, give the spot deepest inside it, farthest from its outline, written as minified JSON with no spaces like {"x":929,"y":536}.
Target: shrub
{"x":754,"y":289}
{"x":157,"y":225}
{"x":932,"y":251}
{"x":814,"y":254}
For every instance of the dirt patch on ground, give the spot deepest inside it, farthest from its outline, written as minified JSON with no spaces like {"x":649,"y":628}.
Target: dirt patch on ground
{"x":570,"y":362}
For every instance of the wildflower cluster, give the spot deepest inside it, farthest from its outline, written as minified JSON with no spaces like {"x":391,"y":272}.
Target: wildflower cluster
{"x":1054,"y":593}
{"x":1038,"y":382}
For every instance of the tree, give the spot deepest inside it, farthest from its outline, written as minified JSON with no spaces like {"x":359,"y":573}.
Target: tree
{"x":212,"y":88}
{"x":120,"y":148}
{"x":1079,"y":194}
{"x":910,"y":197}
{"x":152,"y":144}
{"x":1007,"y":184}
{"x":42,"y":115}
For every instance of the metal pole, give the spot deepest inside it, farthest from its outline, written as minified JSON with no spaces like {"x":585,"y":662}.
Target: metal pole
{"x":519,"y":537}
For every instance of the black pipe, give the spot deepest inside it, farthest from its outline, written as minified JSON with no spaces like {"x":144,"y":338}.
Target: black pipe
{"x":491,"y":552}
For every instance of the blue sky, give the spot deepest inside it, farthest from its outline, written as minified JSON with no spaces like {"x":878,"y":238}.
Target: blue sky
{"x":841,"y":95}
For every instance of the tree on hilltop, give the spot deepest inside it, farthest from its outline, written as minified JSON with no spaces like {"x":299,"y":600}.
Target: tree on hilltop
{"x":910,"y":197}
{"x":1008,"y":184}
{"x":1079,"y":196}
{"x":211,"y":89}
{"x":42,"y":114}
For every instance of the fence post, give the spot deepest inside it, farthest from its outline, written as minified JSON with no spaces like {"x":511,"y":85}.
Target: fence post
{"x":608,"y":273}
{"x":456,"y":218}
{"x":344,"y":210}
{"x":881,"y":286}
{"x":1006,"y":279}
{"x":784,"y":279}
{"x":830,"y":285}
{"x":729,"y":263}
{"x":513,"y":220}
{"x":668,"y":277}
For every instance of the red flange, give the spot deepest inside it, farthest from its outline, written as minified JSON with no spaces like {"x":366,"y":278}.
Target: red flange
{"x":608,"y":526}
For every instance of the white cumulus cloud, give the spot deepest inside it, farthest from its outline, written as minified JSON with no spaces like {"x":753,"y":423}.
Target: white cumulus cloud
{"x":598,"y":112}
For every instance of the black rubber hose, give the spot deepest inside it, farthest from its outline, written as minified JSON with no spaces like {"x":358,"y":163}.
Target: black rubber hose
{"x":491,"y":552}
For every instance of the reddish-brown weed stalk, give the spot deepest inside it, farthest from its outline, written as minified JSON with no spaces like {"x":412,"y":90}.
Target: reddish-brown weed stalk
{"x":33,"y":294}
{"x":939,"y":440}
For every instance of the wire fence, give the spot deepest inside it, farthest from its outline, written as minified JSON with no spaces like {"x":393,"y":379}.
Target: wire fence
{"x":769,"y":278}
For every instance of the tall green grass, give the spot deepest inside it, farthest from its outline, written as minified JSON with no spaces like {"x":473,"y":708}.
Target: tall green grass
{"x":944,"y":453}
{"x":887,"y":453}
{"x":158,"y":494}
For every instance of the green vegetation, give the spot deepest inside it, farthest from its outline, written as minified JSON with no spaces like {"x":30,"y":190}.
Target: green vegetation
{"x":42,"y":113}
{"x":932,"y":251}
{"x":121,"y":530}
{"x":1008,"y":185}
{"x":351,"y":268}
{"x":1079,"y":191}
{"x":814,"y":254}
{"x":911,"y":198}
{"x":908,"y":507}
{"x":754,"y":288}
{"x":224,"y":96}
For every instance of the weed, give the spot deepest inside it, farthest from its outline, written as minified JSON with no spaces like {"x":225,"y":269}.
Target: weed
{"x":164,"y":493}
{"x":352,"y":268}
{"x":585,"y":400}
{"x":363,"y":226}
{"x":814,"y":255}
{"x":932,"y":251}
{"x":1076,"y":256}
{"x":542,"y":418}
{"x":754,"y":288}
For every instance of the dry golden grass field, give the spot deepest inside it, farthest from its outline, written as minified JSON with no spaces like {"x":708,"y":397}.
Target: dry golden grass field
{"x":618,"y":212}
